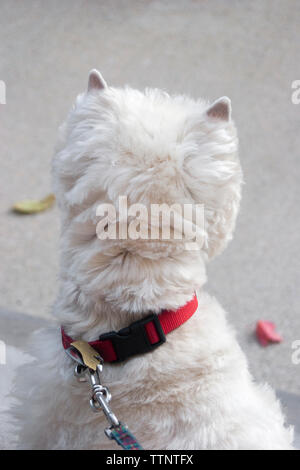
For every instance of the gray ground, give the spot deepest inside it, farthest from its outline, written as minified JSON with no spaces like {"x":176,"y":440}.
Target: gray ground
{"x":246,"y":50}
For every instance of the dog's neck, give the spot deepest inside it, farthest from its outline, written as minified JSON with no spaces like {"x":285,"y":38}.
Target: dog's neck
{"x":88,"y":316}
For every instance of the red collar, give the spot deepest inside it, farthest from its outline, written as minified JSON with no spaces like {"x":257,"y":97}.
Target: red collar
{"x":141,"y":336}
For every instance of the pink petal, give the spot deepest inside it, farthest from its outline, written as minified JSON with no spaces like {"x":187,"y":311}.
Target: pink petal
{"x":266,"y":334}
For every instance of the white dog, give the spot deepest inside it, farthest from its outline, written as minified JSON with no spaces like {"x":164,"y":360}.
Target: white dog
{"x":194,"y":391}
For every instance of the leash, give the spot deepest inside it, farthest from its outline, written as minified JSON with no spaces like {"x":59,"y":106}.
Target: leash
{"x":140,"y":337}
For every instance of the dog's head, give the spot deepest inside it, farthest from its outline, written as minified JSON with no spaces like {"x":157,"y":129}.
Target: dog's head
{"x":149,"y":148}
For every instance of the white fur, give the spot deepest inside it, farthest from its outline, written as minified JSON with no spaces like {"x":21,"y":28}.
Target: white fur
{"x":195,"y":391}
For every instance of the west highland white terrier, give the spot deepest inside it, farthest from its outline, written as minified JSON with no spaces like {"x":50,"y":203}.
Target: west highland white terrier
{"x":176,"y":373}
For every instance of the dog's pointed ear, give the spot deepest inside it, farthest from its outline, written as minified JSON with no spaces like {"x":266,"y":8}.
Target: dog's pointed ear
{"x":220,"y":110}
{"x":96,"y":81}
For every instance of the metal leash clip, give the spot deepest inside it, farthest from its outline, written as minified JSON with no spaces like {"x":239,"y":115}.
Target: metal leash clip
{"x":100,"y":396}
{"x":89,"y":366}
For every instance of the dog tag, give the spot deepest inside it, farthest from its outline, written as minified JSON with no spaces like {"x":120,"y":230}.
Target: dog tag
{"x":90,"y":357}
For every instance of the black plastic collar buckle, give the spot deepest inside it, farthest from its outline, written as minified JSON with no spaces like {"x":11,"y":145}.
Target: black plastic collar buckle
{"x":134,"y":339}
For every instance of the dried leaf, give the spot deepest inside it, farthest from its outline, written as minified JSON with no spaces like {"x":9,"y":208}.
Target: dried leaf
{"x":32,"y":206}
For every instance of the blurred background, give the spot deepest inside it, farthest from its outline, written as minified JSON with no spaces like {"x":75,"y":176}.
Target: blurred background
{"x":248,"y":50}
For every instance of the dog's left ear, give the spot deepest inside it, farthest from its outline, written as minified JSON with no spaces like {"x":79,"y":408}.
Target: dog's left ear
{"x":220,"y":110}
{"x":96,"y":81}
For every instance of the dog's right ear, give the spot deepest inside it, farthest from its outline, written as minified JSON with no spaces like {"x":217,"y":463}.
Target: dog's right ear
{"x":96,"y":81}
{"x":220,"y":110}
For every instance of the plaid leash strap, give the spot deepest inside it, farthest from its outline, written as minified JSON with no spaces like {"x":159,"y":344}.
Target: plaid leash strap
{"x":123,"y":437}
